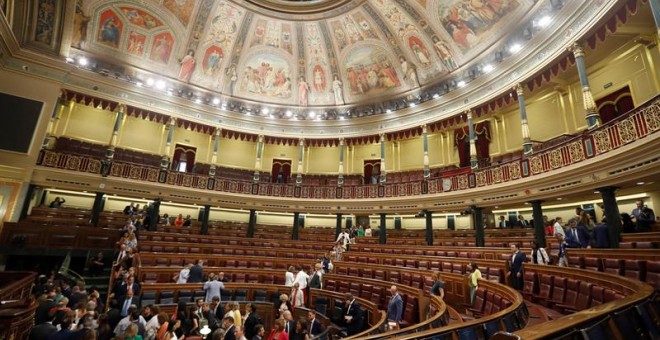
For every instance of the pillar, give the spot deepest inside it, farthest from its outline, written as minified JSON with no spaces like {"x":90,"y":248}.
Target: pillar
{"x":382,"y":237}
{"x":154,"y":214}
{"x":165,"y":160}
{"x":110,"y":152}
{"x":539,"y":228}
{"x":427,"y":170}
{"x":26,"y":202}
{"x":97,"y":208}
{"x":655,"y":9}
{"x":340,"y":177}
{"x":338,"y":225}
{"x":383,"y":174}
{"x":252,"y":223}
{"x":296,"y":226}
{"x":301,"y":152}
{"x":214,"y":156}
{"x":527,"y":141}
{"x":474,"y":163}
{"x":593,"y":120}
{"x":429,"y":227}
{"x":478,"y":220}
{"x":612,"y":216}
{"x":257,"y":162}
{"x":54,"y":117}
{"x":205,"y":220}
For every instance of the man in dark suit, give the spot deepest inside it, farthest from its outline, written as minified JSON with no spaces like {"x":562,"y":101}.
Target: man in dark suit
{"x":395,"y":307}
{"x":602,"y":235}
{"x":126,"y":303}
{"x":504,"y":224}
{"x":577,"y":236}
{"x":315,"y":326}
{"x":215,"y":313}
{"x":315,"y":281}
{"x":522,"y":222}
{"x":41,"y":314}
{"x":228,"y":325}
{"x":352,"y":315}
{"x":515,"y":270}
{"x":252,"y":320}
{"x":290,"y":325}
{"x":131,"y":285}
{"x":129,"y":209}
{"x":196,"y":273}
{"x":42,"y":331}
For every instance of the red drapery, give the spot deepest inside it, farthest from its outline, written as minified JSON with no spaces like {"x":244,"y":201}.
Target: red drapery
{"x":281,"y":167}
{"x":462,"y":139}
{"x":371,"y":169}
{"x":615,"y":104}
{"x":183,"y":152}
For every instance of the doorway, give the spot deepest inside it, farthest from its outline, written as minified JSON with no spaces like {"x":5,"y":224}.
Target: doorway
{"x":184,"y":158}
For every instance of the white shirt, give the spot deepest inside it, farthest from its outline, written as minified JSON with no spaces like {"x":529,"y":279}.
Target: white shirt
{"x":559,"y":230}
{"x":152,"y":327}
{"x":367,"y":232}
{"x":344,"y":238}
{"x":302,"y":278}
{"x":125,"y":322}
{"x":299,"y":300}
{"x":183,"y":276}
{"x":289,"y":279}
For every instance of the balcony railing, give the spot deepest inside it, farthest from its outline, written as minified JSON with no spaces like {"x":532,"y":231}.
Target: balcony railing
{"x":636,"y":124}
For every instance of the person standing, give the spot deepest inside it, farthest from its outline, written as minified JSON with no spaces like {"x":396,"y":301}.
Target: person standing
{"x":395,"y":307}
{"x":213,"y":287}
{"x":315,"y":281}
{"x":562,"y":260}
{"x":473,"y":280}
{"x":196,"y":273}
{"x":516,"y":270}
{"x":352,"y":315}
{"x":438,"y":286}
{"x":643,"y":216}
{"x":539,"y":255}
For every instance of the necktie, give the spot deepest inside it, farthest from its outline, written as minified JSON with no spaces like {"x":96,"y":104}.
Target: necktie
{"x":286,"y":327}
{"x":295,"y":292}
{"x":311,"y":326}
{"x":127,"y":304}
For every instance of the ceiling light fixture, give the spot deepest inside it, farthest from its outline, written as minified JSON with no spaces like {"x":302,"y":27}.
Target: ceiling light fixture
{"x":265,"y":110}
{"x":544,"y":21}
{"x":461,"y":83}
{"x":150,"y":82}
{"x":82,"y":61}
{"x":436,"y":95}
{"x":412,"y":104}
{"x":388,"y":111}
{"x":69,"y":60}
{"x":515,"y":48}
{"x":160,"y":84}
{"x":640,"y":183}
{"x":138,"y":84}
{"x":216,"y":101}
{"x":288,"y":113}
{"x":311,"y":114}
{"x":342,"y":117}
{"x":488,"y":68}
{"x":198,"y":101}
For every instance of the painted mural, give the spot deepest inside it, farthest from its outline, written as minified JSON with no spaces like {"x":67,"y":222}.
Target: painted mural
{"x":223,"y":26}
{"x":182,"y":9}
{"x":272,"y":34}
{"x":467,"y":21}
{"x":109,"y":29}
{"x":161,"y":48}
{"x":212,"y":60}
{"x":80,"y":23}
{"x":369,"y":72}
{"x":140,"y":18}
{"x":136,"y":43}
{"x":46,"y":20}
{"x":267,"y":75}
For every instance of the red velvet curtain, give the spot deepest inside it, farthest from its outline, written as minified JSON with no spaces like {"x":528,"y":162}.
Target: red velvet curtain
{"x":462,"y":142}
{"x":282,"y":166}
{"x":186,"y":153}
{"x":615,"y":104}
{"x":371,"y":168}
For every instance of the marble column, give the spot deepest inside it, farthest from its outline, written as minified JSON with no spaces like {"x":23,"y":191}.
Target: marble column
{"x":257,"y":162}
{"x":382,"y":231}
{"x":591,"y":115}
{"x":252,"y":223}
{"x":296,"y":226}
{"x":301,"y":153}
{"x":383,"y":174}
{"x":429,"y":227}
{"x":539,"y":228}
{"x":340,"y":177}
{"x":527,"y":141}
{"x":214,"y":156}
{"x":474,"y":162}
{"x":612,"y":215}
{"x":165,"y":160}
{"x":427,"y":169}
{"x":205,"y":220}
{"x":97,"y":208}
{"x":478,"y":220}
{"x":110,"y":152}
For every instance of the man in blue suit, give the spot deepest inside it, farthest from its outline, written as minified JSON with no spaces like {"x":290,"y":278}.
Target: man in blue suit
{"x":395,"y":307}
{"x":516,"y":270}
{"x":577,"y":236}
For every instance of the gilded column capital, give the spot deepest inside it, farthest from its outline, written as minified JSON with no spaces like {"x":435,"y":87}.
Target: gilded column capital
{"x":468,"y":113}
{"x":172,"y":121}
{"x":520,"y":89}
{"x":261,"y":138}
{"x":577,"y":50}
{"x":217,"y":132}
{"x":121,"y":107}
{"x":301,"y":141}
{"x":424,"y":128}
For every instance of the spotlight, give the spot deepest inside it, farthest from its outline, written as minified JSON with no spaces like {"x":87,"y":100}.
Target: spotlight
{"x":69,"y":60}
{"x":265,"y":110}
{"x":82,"y":61}
{"x":138,"y":84}
{"x":388,"y":111}
{"x":461,"y":83}
{"x":342,"y":117}
{"x":311,"y":114}
{"x":216,"y":101}
{"x":488,"y":68}
{"x":150,"y":82}
{"x":198,"y":100}
{"x":288,"y":113}
{"x":436,"y":95}
{"x":544,"y":21}
{"x":412,"y":104}
{"x":515,"y":48}
{"x":160,"y":84}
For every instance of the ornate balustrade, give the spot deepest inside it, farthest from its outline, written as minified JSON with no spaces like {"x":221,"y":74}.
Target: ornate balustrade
{"x":18,"y":306}
{"x":636,"y":124}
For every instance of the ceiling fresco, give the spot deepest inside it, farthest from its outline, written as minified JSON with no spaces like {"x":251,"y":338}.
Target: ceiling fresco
{"x":377,"y":49}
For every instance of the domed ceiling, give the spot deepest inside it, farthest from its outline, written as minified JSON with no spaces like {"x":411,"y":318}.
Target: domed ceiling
{"x":313,"y":53}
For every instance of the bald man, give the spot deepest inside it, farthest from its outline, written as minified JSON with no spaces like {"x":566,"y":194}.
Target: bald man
{"x":395,"y":306}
